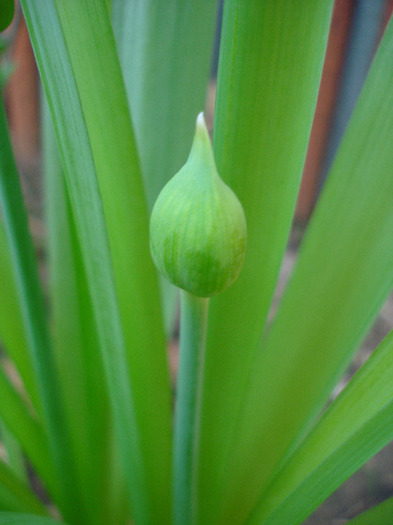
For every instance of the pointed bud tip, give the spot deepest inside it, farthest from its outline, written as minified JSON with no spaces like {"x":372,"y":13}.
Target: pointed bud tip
{"x":201,"y":128}
{"x":201,"y":120}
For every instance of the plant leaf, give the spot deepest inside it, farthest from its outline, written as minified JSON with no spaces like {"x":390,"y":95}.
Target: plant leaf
{"x":7,"y":9}
{"x":354,"y":428}
{"x":379,"y":515}
{"x":11,"y":323}
{"x":14,"y":452}
{"x":75,"y":345}
{"x":28,"y":432}
{"x":270,"y":67}
{"x":89,"y":110}
{"x":343,"y":275}
{"x":165,"y":96}
{"x":33,"y":314}
{"x":11,"y":518}
{"x":14,"y":494}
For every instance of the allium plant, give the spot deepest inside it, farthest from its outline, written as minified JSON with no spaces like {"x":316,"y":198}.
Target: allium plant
{"x":247,"y":438}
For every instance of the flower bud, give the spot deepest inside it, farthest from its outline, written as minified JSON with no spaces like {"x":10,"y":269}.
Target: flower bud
{"x":198,"y":228}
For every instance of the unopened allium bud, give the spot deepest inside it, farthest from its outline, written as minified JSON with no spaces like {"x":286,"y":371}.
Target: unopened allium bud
{"x":198,"y":228}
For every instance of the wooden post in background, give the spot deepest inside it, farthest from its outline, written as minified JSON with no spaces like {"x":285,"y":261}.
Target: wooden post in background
{"x":332,"y":70}
{"x":22,"y":100}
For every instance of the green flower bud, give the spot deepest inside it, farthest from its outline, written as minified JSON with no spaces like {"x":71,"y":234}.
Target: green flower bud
{"x":198,"y":229}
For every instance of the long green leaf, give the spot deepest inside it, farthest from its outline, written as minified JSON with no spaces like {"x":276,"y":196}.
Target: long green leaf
{"x":89,"y":109}
{"x":33,"y":314}
{"x":165,"y":95}
{"x":270,"y":66}
{"x":11,"y":518}
{"x":28,"y":432}
{"x":105,"y":112}
{"x":381,"y":514}
{"x":12,"y":331}
{"x":7,"y":8}
{"x":75,"y":343}
{"x":15,"y":457}
{"x":15,"y":496}
{"x":344,"y":273}
{"x":355,"y":427}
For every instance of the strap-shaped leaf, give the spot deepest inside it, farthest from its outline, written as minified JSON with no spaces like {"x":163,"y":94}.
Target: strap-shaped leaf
{"x":12,"y":333}
{"x":165,"y":95}
{"x":32,"y":308}
{"x":270,"y":67}
{"x":13,"y":518}
{"x":28,"y":432}
{"x":379,"y":515}
{"x":15,"y":496}
{"x":75,"y":343}
{"x":354,"y":428}
{"x":7,"y":8}
{"x":344,"y":273}
{"x":89,"y":109}
{"x":14,"y":452}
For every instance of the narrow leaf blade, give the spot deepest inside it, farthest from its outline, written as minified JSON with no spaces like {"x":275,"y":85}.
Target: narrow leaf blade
{"x":7,"y":9}
{"x":87,"y":25}
{"x":14,"y":494}
{"x":28,"y":432}
{"x":31,"y":301}
{"x":11,"y":518}
{"x":165,"y":96}
{"x":354,"y":427}
{"x":343,"y":275}
{"x":99,"y":159}
{"x":270,"y":67}
{"x":14,"y":452}
{"x":75,"y":344}
{"x":12,"y":332}
{"x":378,"y":515}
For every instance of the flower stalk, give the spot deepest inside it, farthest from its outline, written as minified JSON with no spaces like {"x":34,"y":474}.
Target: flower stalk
{"x":198,"y":239}
{"x":192,"y":347}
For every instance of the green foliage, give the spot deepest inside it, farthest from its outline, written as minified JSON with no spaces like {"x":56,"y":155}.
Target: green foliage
{"x":15,"y":496}
{"x":354,"y":427}
{"x":7,"y":9}
{"x":124,"y":81}
{"x":165,"y":52}
{"x":343,"y":275}
{"x":9,"y":518}
{"x":379,"y":515}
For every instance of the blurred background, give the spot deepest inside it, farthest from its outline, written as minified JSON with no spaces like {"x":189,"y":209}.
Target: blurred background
{"x":357,"y":26}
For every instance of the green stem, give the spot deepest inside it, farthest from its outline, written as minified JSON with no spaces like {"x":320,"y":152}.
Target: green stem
{"x":192,"y":347}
